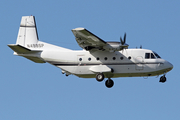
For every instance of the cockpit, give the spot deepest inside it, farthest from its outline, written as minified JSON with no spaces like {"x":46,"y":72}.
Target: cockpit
{"x":152,"y":55}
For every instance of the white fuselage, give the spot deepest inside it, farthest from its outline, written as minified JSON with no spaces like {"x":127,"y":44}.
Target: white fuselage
{"x":125,"y":63}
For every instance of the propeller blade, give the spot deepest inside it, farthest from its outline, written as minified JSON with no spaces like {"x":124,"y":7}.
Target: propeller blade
{"x":124,"y":38}
{"x":121,"y":41}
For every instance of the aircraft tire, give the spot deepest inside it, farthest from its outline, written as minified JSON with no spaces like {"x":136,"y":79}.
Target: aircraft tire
{"x":162,"y":79}
{"x":100,"y":77}
{"x":109,"y":83}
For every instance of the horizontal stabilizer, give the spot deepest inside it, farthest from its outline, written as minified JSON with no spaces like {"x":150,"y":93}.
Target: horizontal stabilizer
{"x":20,"y":49}
{"x":100,"y":69}
{"x":35,"y":59}
{"x":25,"y":51}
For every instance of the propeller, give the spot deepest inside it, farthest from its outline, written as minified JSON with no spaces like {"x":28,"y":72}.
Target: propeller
{"x":124,"y":40}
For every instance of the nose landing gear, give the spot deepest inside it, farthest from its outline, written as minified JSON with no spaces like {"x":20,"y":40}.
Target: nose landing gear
{"x":162,"y":79}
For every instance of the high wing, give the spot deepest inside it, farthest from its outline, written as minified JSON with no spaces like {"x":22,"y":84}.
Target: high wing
{"x":89,"y":41}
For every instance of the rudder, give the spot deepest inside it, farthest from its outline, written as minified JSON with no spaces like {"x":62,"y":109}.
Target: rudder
{"x":27,"y":34}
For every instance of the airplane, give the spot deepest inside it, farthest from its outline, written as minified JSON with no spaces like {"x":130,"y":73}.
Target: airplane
{"x":98,"y":59}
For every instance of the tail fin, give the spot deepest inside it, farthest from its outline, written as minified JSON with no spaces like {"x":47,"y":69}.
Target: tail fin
{"x":27,"y":32}
{"x":27,"y":36}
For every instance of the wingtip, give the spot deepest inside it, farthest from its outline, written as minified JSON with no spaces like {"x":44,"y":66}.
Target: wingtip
{"x":79,"y":28}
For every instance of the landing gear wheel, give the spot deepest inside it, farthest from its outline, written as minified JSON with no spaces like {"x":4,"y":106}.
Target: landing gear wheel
{"x":100,"y":77}
{"x":109,"y":83}
{"x":162,"y":79}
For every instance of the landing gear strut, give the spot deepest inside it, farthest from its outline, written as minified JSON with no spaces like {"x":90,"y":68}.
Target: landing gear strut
{"x":162,"y":79}
{"x":109,"y":83}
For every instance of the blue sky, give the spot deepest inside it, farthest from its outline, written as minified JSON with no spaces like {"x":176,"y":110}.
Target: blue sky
{"x":39,"y":91}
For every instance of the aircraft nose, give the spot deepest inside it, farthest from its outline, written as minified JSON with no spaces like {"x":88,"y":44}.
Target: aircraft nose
{"x":168,"y":65}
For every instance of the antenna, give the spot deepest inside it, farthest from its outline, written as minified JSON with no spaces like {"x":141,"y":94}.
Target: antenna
{"x":141,"y":47}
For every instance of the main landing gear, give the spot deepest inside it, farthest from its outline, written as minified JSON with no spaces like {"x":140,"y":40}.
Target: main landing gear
{"x":162,"y":79}
{"x":109,"y":83}
{"x":100,"y":77}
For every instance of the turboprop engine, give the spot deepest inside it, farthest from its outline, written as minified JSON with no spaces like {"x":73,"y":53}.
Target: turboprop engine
{"x":117,"y":46}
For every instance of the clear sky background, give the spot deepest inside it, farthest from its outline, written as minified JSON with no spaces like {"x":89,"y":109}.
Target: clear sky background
{"x":31,"y":91}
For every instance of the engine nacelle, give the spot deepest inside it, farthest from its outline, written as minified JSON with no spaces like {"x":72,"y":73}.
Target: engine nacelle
{"x":115,"y":46}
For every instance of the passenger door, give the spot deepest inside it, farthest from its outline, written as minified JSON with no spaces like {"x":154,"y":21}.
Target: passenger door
{"x":139,"y":63}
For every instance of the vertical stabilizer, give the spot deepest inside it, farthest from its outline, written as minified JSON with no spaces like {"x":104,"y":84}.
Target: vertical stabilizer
{"x":27,"y":32}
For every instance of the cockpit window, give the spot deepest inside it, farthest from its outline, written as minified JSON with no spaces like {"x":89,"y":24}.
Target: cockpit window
{"x":156,"y":55}
{"x":150,"y":56}
{"x":147,"y":55}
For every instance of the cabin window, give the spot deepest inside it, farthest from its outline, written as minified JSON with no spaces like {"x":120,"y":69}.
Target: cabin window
{"x":89,"y":59}
{"x":129,"y":57}
{"x":80,"y":59}
{"x":97,"y":58}
{"x":114,"y":58}
{"x":105,"y":58}
{"x":121,"y":58}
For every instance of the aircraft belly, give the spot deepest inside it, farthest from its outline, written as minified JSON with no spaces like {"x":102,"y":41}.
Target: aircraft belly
{"x":77,"y":70}
{"x":119,"y":71}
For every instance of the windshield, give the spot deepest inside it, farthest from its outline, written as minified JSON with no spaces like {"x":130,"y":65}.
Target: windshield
{"x":157,"y":56}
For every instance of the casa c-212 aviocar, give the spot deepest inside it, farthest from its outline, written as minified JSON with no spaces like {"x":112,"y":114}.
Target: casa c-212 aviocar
{"x":98,"y":59}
